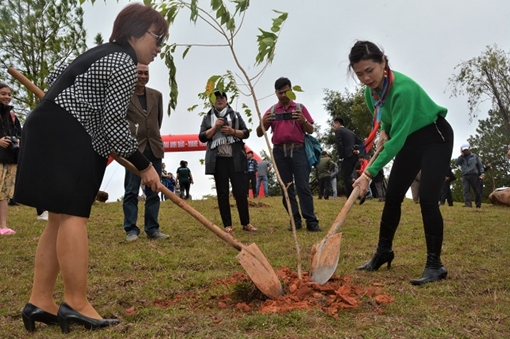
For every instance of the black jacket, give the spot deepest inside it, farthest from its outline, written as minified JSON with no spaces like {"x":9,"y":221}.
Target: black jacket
{"x":345,"y":139}
{"x":8,"y":128}
{"x":238,"y":150}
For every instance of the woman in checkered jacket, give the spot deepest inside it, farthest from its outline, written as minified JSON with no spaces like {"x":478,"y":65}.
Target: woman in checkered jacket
{"x":66,"y":143}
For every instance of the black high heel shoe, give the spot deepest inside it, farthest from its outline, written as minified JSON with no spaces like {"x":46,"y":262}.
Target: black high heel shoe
{"x":377,"y":261}
{"x":32,"y":313}
{"x":67,"y":315}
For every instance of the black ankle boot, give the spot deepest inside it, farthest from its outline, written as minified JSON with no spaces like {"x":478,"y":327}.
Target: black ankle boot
{"x":379,"y":259}
{"x":431,"y":275}
{"x":67,"y":315}
{"x":32,"y":313}
{"x":434,"y":269}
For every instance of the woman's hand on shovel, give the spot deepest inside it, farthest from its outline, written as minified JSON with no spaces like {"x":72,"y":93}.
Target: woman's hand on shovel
{"x":362,"y":182}
{"x":150,"y":178}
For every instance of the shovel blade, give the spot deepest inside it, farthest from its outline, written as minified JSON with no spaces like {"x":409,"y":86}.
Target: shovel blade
{"x":325,"y":256}
{"x":260,"y":271}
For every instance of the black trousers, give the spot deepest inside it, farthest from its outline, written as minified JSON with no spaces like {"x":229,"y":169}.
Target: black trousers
{"x":324,"y":187}
{"x":429,"y":150}
{"x":348,"y":166}
{"x":446,"y":193}
{"x":251,"y":180}
{"x":224,"y":173}
{"x":474,"y":181}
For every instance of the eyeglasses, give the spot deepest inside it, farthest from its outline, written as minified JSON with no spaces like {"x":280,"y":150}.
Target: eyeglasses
{"x":159,"y":38}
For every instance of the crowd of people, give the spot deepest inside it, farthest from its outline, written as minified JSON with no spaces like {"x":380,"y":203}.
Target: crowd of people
{"x":412,"y":131}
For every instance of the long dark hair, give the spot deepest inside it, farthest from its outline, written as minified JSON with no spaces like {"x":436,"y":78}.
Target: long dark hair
{"x":366,"y":50}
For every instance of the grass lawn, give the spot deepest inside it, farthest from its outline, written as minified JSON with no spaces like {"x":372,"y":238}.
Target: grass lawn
{"x":129,"y":280}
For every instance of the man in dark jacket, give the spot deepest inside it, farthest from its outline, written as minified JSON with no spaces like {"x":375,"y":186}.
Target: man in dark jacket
{"x":346,"y":144}
{"x":225,"y":158}
{"x":472,"y":172}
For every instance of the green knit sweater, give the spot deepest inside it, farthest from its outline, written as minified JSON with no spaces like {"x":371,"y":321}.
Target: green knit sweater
{"x":407,"y":108}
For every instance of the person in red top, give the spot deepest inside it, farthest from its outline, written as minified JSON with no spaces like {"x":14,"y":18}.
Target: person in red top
{"x":363,"y":165}
{"x":289,"y":122}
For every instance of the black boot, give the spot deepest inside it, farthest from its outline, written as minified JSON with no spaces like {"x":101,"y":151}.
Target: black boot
{"x":384,"y":253}
{"x":379,"y":259}
{"x":434,"y":269}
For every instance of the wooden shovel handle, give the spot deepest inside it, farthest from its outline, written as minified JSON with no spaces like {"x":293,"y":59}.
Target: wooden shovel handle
{"x":25,"y":82}
{"x":175,"y":199}
{"x":182,"y":204}
{"x":348,"y":204}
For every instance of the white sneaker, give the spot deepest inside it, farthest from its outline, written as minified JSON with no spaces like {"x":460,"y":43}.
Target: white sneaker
{"x":43,"y":216}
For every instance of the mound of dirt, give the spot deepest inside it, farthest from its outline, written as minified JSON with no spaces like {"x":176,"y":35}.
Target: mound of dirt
{"x":258,"y":204}
{"x":337,"y":294}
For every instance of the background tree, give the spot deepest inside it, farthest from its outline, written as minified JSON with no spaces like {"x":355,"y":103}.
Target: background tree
{"x":351,"y":107}
{"x":485,"y":78}
{"x":37,"y":36}
{"x":98,"y":39}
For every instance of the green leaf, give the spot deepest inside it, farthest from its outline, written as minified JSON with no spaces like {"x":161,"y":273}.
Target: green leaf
{"x":186,"y":51}
{"x":231,"y":24}
{"x":212,"y":98}
{"x":194,"y":11}
{"x":192,"y":108}
{"x":297,"y":88}
{"x":216,"y":4}
{"x":291,"y":95}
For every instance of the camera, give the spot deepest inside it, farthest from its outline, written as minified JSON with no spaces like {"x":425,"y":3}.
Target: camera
{"x":283,"y":116}
{"x":14,"y":146}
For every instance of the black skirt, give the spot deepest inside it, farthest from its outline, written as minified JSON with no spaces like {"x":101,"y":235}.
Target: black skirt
{"x":58,"y":170}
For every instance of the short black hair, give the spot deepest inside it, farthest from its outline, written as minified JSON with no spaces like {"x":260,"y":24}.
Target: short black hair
{"x":249,"y":152}
{"x":339,"y":120}
{"x":282,"y":82}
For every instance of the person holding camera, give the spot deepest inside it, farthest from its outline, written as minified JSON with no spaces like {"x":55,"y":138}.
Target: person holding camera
{"x":347,"y":146}
{"x":9,"y":146}
{"x":223,"y":130}
{"x":289,"y":121}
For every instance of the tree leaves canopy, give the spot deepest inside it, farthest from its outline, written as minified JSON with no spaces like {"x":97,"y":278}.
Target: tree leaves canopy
{"x":37,"y":36}
{"x":351,"y":107}
{"x":486,"y":77}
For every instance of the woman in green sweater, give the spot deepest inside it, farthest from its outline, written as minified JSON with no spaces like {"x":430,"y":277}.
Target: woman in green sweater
{"x":414,"y":132}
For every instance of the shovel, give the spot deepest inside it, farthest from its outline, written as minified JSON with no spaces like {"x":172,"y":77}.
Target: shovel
{"x":250,"y":257}
{"x":326,"y":253}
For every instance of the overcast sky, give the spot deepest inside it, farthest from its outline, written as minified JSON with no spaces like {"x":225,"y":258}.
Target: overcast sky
{"x":422,"y":39}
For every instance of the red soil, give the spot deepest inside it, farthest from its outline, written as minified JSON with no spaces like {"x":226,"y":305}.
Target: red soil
{"x":335,"y":295}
